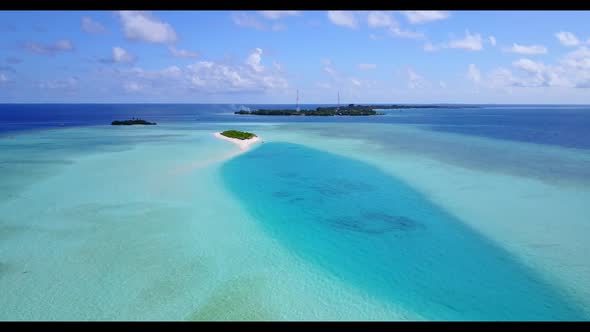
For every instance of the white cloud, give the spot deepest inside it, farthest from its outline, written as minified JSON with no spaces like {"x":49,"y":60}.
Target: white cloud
{"x":279,"y":27}
{"x":246,"y":21}
{"x":424,"y":16}
{"x":367,"y":66}
{"x":567,"y":38}
{"x":492,"y":40}
{"x":254,"y":60}
{"x":523,"y":49}
{"x":323,"y":85}
{"x":206,"y":77}
{"x":329,"y":70}
{"x":355,"y":82}
{"x":500,"y":78}
{"x":121,"y":55}
{"x":3,"y":78}
{"x":473,"y":74}
{"x":343,"y":18}
{"x":133,"y":87}
{"x":470,"y":42}
{"x":406,"y":34}
{"x":570,"y":71}
{"x":414,"y":80}
{"x":278,"y":14}
{"x":381,"y":19}
{"x":212,"y":77}
{"x":91,"y":26}
{"x":62,"y":84}
{"x":578,"y":59}
{"x":143,"y":26}
{"x":63,"y":45}
{"x":528,"y":65}
{"x":278,"y":67}
{"x":429,"y":47}
{"x":537,"y":73}
{"x":182,"y":53}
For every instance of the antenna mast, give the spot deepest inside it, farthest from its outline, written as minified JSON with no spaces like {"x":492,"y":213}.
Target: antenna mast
{"x":297,"y":101}
{"x":338,"y":101}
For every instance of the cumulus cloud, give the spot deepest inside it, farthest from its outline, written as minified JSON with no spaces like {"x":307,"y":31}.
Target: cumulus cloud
{"x":63,"y":45}
{"x":367,"y":66}
{"x":429,"y":47}
{"x":182,"y":53}
{"x":424,"y":16}
{"x":278,"y":14}
{"x":524,"y":49}
{"x":328,"y":68}
{"x":91,"y":26}
{"x":133,"y":87}
{"x":3,"y":78}
{"x":142,"y":26}
{"x":414,"y":80}
{"x":397,"y":32}
{"x":119,"y":55}
{"x":323,"y":85}
{"x":471,"y":42}
{"x":254,"y":60}
{"x":492,"y":40}
{"x":567,"y":38}
{"x":246,"y":21}
{"x":571,"y":70}
{"x":61,"y":84}
{"x":343,"y":18}
{"x":278,"y":27}
{"x":473,"y":74}
{"x":210,"y":77}
{"x":381,"y":19}
{"x":277,"y":66}
{"x":355,"y":82}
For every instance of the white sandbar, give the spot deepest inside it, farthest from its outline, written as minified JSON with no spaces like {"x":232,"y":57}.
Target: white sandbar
{"x":244,"y":144}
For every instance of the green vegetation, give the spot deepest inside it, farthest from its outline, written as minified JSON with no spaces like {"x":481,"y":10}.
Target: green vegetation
{"x":237,"y":134}
{"x":350,"y":110}
{"x":133,"y":121}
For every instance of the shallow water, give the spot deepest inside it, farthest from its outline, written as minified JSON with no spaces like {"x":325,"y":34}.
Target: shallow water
{"x":336,"y":220}
{"x":375,"y":231}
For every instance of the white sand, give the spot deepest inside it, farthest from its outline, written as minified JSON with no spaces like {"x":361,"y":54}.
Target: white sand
{"x":243,"y":144}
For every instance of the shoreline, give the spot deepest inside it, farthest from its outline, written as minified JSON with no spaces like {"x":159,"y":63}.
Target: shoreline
{"x":243,"y":144}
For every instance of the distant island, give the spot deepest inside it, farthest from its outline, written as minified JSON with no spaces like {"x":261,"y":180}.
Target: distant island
{"x":132,"y":122}
{"x":350,"y":110}
{"x":241,"y":135}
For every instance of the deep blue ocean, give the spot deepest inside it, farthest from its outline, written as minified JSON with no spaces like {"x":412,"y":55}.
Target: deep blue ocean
{"x":561,"y":125}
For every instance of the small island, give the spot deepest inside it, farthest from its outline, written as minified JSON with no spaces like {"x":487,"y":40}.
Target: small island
{"x":241,"y":135}
{"x":241,"y":138}
{"x":133,"y":121}
{"x":350,"y":110}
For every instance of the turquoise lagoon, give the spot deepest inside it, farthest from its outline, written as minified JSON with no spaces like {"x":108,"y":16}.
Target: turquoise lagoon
{"x":323,"y":221}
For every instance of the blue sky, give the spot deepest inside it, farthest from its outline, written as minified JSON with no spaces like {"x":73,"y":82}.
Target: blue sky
{"x":264,"y":57}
